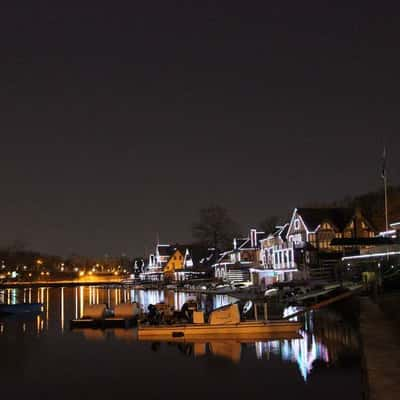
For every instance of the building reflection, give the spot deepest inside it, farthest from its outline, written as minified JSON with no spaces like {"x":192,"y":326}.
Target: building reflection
{"x":323,"y":340}
{"x":304,"y":352}
{"x":62,"y":308}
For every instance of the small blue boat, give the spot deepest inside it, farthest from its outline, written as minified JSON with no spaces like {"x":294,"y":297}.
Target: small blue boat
{"x":21,"y":308}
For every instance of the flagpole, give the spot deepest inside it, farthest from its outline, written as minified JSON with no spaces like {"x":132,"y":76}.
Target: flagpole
{"x":384,"y":176}
{"x":386,"y":202}
{"x":386,"y":208}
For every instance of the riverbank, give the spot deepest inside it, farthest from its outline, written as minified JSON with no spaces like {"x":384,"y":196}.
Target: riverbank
{"x":61,"y":283}
{"x":381,"y":347}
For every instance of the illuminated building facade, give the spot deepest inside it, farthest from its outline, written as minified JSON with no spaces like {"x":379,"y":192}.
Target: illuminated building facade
{"x":311,"y":232}
{"x":277,"y":257}
{"x":302,"y":248}
{"x":237,"y":264}
{"x":178,"y":262}
{"x":378,"y":260}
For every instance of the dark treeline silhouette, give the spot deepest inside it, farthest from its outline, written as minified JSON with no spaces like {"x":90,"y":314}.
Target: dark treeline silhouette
{"x":269,"y":224}
{"x":372,"y":205}
{"x":215,"y":228}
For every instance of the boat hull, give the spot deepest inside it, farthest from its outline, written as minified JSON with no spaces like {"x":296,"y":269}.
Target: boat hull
{"x":245,"y":329}
{"x":103,"y":323}
{"x":221,"y":338}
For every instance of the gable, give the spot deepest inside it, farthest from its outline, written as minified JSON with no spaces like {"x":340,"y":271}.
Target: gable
{"x":176,"y":261}
{"x":296,"y":225}
{"x":328,"y":225}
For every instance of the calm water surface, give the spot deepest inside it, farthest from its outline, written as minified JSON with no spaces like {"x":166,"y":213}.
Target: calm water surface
{"x":42,"y":358}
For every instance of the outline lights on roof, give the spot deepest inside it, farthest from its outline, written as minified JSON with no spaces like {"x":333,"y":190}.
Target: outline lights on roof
{"x":373,"y":255}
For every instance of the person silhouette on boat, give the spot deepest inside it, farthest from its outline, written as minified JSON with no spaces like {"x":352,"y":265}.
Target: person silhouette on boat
{"x":187,"y":310}
{"x":153,"y":315}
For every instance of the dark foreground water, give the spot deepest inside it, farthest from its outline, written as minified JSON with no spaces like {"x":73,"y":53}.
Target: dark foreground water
{"x":42,"y":358}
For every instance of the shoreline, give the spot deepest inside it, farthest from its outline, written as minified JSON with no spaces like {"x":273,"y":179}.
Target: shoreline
{"x":381,"y":352}
{"x":67,"y":283}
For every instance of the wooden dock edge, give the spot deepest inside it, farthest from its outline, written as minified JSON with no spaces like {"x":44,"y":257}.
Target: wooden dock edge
{"x":327,"y":302}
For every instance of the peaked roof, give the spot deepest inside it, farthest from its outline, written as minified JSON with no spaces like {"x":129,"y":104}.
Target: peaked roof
{"x":245,"y":243}
{"x":200,"y":255}
{"x":280,"y":231}
{"x":241,"y":242}
{"x":313,"y":217}
{"x":283,"y":232}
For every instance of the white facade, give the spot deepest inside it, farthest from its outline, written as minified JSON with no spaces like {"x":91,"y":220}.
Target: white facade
{"x":235,"y":264}
{"x":277,"y":254}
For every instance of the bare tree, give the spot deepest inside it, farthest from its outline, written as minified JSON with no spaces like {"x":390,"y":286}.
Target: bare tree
{"x":269,"y":224}
{"x":215,"y":227}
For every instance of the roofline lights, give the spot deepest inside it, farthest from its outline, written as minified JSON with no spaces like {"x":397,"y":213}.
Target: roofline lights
{"x":390,"y":232}
{"x":373,"y":255}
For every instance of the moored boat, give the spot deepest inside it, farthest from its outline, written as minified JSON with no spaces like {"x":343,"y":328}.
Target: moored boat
{"x":224,"y":322}
{"x":123,"y":315}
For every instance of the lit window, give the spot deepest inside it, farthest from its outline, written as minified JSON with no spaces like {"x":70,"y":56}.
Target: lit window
{"x":297,"y":224}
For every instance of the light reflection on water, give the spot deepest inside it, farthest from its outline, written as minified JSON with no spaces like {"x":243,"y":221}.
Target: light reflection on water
{"x":80,"y":296}
{"x":324,"y":341}
{"x":304,"y":352}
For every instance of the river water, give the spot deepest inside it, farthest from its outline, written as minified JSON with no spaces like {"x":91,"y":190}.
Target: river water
{"x":41,"y":357}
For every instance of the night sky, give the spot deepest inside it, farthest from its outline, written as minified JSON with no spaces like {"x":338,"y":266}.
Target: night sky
{"x":120,"y":120}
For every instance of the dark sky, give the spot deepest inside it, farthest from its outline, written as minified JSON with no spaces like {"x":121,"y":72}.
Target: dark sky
{"x":121,"y":119}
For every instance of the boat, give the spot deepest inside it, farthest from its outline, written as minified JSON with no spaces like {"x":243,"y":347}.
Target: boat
{"x":21,"y":308}
{"x":224,"y":289}
{"x":129,"y":281}
{"x":123,"y":315}
{"x":223,"y":322}
{"x":271,"y":292}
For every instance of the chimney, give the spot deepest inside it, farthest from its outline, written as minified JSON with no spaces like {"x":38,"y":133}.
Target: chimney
{"x":253,"y":237}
